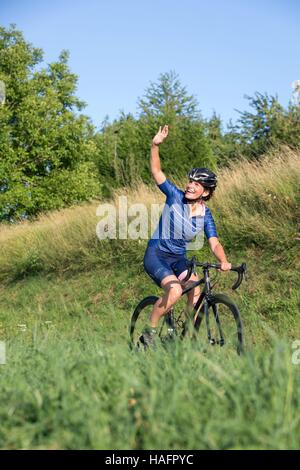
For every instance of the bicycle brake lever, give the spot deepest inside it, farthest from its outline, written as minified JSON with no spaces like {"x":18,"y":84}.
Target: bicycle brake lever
{"x":241,"y":275}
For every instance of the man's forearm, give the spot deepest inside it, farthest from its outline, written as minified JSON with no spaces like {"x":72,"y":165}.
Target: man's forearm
{"x":220,"y":253}
{"x":154,"y":159}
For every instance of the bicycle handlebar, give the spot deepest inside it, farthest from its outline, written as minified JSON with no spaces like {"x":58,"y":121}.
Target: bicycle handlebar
{"x":241,"y":270}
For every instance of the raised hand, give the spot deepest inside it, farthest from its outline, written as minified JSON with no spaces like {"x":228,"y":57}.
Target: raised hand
{"x":161,"y":135}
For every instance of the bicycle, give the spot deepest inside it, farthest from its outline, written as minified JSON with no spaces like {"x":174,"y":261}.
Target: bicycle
{"x":227,"y":326}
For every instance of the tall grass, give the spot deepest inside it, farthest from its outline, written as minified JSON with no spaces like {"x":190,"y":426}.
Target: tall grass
{"x":81,"y":394}
{"x":259,"y":203}
{"x":256,"y":205}
{"x":70,"y":380}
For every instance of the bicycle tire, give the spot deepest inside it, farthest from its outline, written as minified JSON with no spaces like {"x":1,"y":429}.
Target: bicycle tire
{"x":142,"y":316}
{"x":222,"y":306}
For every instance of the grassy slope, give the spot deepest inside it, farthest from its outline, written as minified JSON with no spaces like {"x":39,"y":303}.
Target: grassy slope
{"x":70,"y":379}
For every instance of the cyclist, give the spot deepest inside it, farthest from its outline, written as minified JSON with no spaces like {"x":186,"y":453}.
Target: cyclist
{"x":185,"y":214}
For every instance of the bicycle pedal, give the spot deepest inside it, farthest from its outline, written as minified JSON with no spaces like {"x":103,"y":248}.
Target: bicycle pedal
{"x":212,"y":341}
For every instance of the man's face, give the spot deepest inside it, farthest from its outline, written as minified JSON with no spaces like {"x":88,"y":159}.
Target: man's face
{"x":194,"y":190}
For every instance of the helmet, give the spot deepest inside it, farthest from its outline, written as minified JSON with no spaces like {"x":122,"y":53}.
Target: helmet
{"x":204,"y":176}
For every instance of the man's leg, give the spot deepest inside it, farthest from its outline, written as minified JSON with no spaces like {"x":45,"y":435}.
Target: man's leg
{"x":173,"y":291}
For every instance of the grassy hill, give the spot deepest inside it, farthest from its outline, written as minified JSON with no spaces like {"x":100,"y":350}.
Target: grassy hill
{"x":70,"y":380}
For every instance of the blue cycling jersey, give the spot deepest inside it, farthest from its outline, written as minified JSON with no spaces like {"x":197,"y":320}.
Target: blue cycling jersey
{"x":176,"y":228}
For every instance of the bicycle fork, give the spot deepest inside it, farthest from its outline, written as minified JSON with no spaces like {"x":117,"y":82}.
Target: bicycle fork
{"x":212,"y":340}
{"x":206,"y":314}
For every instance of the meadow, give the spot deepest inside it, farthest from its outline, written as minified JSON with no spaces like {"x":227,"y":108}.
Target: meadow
{"x":70,"y":380}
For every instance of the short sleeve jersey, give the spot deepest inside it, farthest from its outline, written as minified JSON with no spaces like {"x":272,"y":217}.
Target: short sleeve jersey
{"x":176,"y":228}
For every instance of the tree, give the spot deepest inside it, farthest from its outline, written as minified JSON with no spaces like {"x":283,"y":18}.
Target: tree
{"x":168,"y":98}
{"x":269,"y":125}
{"x":215,"y":137}
{"x":119,"y":152}
{"x":46,"y":148}
{"x":124,"y":145}
{"x":167,"y":102}
{"x":288,"y":127}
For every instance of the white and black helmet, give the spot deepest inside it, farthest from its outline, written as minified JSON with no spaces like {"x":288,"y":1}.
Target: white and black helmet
{"x":204,"y":176}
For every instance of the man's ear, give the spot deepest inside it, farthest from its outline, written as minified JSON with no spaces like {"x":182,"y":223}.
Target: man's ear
{"x":206,"y":193}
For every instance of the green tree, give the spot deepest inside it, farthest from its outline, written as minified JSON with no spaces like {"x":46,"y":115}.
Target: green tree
{"x":167,"y":102}
{"x":124,"y":145}
{"x":218,"y":141}
{"x":119,"y":152}
{"x":268,"y":125}
{"x":168,"y":98}
{"x":288,"y":127}
{"x":259,"y":127}
{"x":46,"y":147}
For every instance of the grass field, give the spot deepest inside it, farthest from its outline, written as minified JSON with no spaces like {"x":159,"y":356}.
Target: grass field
{"x":70,"y":380}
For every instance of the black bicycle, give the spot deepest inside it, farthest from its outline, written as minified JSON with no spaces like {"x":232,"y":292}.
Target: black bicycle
{"x":223,"y":321}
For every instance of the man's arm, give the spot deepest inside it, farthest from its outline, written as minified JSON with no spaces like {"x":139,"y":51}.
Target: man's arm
{"x":156,"y":171}
{"x":219,"y":253}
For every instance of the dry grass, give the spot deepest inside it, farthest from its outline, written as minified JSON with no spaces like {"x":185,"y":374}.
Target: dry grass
{"x":53,"y":239}
{"x":254,"y":203}
{"x":260,"y":201}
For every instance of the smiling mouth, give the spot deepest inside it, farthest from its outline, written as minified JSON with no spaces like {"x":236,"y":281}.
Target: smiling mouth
{"x":188,"y":191}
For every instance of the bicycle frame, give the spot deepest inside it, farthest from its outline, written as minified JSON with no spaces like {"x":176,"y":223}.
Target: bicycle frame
{"x":207,"y":302}
{"x":206,"y":289}
{"x":203,"y":296}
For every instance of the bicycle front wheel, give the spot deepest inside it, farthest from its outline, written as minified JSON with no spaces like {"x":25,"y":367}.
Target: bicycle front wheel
{"x":221,"y":323}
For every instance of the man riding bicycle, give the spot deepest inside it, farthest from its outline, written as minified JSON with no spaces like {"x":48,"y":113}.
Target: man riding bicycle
{"x":185,"y":215}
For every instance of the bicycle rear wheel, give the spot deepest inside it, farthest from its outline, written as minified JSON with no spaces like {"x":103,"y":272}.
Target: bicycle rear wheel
{"x":166,"y":329}
{"x":223,"y":323}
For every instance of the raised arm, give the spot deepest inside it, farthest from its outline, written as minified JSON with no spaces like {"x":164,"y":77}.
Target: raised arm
{"x":156,"y":171}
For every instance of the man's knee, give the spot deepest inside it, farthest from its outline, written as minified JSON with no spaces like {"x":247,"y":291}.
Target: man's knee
{"x":174,"y":290}
{"x":178,"y":290}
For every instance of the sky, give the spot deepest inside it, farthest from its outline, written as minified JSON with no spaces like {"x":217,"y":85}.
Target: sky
{"x":221,"y":50}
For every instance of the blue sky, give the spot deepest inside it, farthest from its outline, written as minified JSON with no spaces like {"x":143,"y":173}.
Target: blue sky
{"x":221,"y":50}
